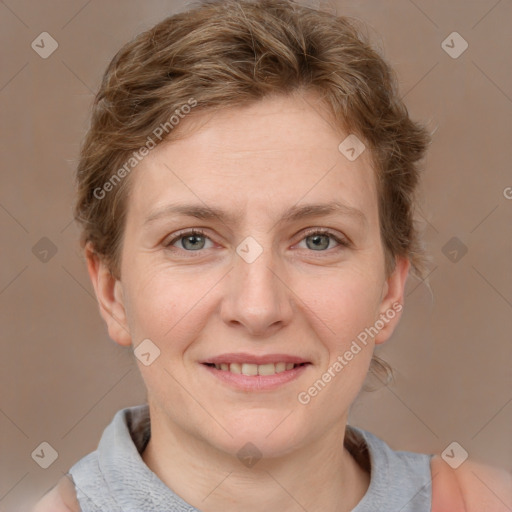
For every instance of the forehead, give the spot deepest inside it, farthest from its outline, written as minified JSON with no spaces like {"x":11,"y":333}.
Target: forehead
{"x":271,"y":154}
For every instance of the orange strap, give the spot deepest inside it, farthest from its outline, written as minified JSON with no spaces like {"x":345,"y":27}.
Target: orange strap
{"x":446,"y":492}
{"x":61,"y":498}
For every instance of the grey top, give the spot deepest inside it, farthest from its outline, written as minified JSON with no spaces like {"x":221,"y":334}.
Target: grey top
{"x":114,"y":478}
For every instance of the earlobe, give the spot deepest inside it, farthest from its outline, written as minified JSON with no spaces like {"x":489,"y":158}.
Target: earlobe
{"x":110,"y":298}
{"x":392,"y":300}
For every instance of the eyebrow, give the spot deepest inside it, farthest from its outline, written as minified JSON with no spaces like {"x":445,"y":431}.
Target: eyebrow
{"x":292,"y":214}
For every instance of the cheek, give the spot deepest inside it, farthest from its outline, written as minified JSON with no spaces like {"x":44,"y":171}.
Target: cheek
{"x":344,"y":305}
{"x":168,"y":307}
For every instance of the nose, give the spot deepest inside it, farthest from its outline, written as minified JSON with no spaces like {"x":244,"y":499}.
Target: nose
{"x":257,"y":297}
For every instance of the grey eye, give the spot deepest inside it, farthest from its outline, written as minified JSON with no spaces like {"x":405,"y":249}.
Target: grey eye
{"x":316,"y":242}
{"x":193,"y":242}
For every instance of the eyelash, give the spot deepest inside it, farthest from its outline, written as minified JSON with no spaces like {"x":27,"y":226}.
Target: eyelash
{"x":343,"y":242}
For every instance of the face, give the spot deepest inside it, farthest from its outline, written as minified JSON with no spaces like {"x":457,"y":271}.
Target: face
{"x":285,"y":270}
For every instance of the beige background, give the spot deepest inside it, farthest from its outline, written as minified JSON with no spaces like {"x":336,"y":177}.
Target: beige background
{"x":62,"y":379}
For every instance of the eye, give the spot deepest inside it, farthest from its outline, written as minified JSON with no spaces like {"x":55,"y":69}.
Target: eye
{"x":319,"y":240}
{"x":193,"y":240}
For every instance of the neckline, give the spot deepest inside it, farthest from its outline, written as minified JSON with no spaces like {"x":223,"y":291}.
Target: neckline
{"x":124,"y":471}
{"x":138,"y":425}
{"x":139,"y":428}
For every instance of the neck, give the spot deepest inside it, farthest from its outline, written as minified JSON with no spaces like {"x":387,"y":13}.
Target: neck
{"x":321,"y":476}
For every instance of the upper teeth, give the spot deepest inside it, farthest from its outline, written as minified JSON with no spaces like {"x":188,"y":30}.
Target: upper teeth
{"x":255,"y":369}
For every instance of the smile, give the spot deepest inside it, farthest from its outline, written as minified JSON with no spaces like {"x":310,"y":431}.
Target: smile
{"x":251,"y":372}
{"x":255,"y":369}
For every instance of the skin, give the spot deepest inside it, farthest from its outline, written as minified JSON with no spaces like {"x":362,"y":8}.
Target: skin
{"x":296,"y":299}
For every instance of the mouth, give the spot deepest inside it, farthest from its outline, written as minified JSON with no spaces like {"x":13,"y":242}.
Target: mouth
{"x":255,"y":373}
{"x":251,"y":369}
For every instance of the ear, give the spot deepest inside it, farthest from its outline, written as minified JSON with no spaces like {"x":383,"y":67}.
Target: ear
{"x":109,"y":292}
{"x":392,"y":300}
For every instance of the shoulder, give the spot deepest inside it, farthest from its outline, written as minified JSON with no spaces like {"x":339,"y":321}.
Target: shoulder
{"x":472,"y":487}
{"x":62,"y":498}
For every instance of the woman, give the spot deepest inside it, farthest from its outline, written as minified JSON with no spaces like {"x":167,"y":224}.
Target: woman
{"x":246,"y":193}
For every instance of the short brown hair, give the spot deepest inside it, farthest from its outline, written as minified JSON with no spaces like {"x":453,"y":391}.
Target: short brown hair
{"x":233,"y":52}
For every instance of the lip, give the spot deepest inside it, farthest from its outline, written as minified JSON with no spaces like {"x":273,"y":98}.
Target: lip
{"x":241,"y":357}
{"x":255,"y":383}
